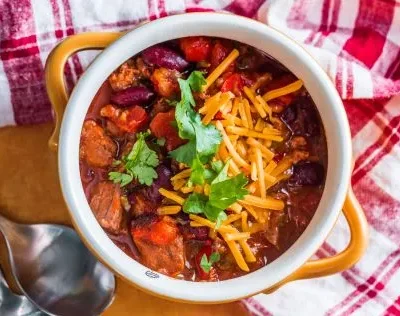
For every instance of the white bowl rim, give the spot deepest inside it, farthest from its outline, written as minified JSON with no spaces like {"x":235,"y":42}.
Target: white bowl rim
{"x":250,"y":32}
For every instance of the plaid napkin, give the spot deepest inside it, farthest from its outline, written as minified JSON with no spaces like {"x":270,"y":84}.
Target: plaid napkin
{"x":356,"y":42}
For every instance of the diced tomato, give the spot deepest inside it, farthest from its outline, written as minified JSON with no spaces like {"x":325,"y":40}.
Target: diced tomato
{"x":161,"y":126}
{"x":205,"y":250}
{"x":129,"y":120}
{"x":233,"y":83}
{"x":196,"y":48}
{"x":218,"y":54}
{"x":161,"y":232}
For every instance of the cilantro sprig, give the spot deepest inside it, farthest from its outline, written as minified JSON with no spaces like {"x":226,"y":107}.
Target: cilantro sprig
{"x":224,"y":191}
{"x":206,"y":263}
{"x":138,"y":164}
{"x":203,"y":140}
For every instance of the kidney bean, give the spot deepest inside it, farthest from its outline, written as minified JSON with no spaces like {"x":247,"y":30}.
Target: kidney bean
{"x":162,"y":181}
{"x":307,"y":173}
{"x":301,"y":117}
{"x":248,"y":62}
{"x":162,"y":56}
{"x":138,"y":95}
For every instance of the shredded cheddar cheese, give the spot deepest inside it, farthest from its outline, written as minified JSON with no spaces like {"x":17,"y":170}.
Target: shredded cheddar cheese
{"x":256,"y":103}
{"x":172,"y":196}
{"x":221,"y":68}
{"x":169,"y":210}
{"x":273,"y":94}
{"x":267,"y":203}
{"x":249,"y":130}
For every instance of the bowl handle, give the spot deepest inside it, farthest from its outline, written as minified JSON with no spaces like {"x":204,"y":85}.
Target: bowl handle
{"x":347,"y":258}
{"x":54,"y":71}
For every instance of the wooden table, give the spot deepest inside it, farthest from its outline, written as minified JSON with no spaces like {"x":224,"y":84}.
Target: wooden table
{"x":30,"y":193}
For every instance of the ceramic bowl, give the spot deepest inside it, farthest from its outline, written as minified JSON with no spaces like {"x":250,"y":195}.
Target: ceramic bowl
{"x":337,"y":195}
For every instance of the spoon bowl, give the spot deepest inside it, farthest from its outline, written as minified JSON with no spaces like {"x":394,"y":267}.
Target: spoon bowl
{"x":55,"y":270}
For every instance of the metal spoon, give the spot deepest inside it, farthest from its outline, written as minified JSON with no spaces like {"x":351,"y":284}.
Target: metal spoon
{"x":55,"y":270}
{"x":13,"y":304}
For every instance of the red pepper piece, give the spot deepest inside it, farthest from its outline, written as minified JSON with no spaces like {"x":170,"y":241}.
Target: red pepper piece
{"x":196,"y":48}
{"x":233,"y":83}
{"x":161,"y":127}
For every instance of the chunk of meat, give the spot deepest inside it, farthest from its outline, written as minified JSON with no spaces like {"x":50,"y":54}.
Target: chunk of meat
{"x":96,"y":148}
{"x":166,"y":82}
{"x":129,"y":120}
{"x":144,"y":69}
{"x":298,"y":142}
{"x":106,"y":206}
{"x":272,"y":233}
{"x":196,"y":48}
{"x":298,"y":145}
{"x":124,"y":77}
{"x":299,"y":155}
{"x":113,"y":129}
{"x":140,"y":204}
{"x":161,"y":126}
{"x":160,"y":245}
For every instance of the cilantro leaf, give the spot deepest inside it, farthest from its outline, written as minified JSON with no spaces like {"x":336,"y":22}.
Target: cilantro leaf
{"x":197,"y":172}
{"x":185,"y":153}
{"x":215,"y":257}
{"x":196,"y":80}
{"x":225,"y":193}
{"x":206,"y":263}
{"x":222,"y":174}
{"x":119,"y":177}
{"x":217,"y":165}
{"x":186,"y":92}
{"x":220,"y":218}
{"x":139,"y":164}
{"x":208,"y":139}
{"x":195,"y":203}
{"x":185,"y":116}
{"x":205,"y":138}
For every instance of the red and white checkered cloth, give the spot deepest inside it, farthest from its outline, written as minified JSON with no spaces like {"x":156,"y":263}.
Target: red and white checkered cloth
{"x":358,"y":44}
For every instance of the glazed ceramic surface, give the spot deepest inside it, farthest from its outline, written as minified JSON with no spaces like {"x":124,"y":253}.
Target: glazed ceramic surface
{"x":280,"y":47}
